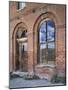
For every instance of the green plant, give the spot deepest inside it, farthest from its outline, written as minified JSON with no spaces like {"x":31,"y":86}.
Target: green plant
{"x":36,"y":77}
{"x":57,"y":79}
{"x":12,"y":76}
{"x":31,"y":77}
{"x":27,"y":77}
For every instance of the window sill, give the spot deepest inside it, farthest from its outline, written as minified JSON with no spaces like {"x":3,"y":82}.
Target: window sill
{"x":46,"y":65}
{"x":19,"y":10}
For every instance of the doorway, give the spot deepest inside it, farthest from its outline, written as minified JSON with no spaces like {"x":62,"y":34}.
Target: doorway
{"x":21,"y":57}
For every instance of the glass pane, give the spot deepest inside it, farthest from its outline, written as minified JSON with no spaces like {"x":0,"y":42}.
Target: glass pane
{"x":50,"y":36}
{"x":42,"y":46}
{"x":21,"y":5}
{"x":51,"y":45}
{"x":50,"y":23}
{"x":51,"y":52}
{"x":50,"y":30}
{"x":42,"y":53}
{"x":42,"y":33}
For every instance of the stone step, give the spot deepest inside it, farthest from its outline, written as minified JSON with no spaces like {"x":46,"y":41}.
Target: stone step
{"x":20,"y":73}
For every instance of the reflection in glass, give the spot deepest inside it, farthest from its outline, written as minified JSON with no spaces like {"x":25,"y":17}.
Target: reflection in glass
{"x":21,"y":5}
{"x":42,"y":53}
{"x":47,"y":45}
{"x":43,"y":33}
{"x":51,"y":45}
{"x":50,"y":30}
{"x":50,"y":23}
{"x":42,"y":46}
{"x":50,"y":36}
{"x":51,"y":52}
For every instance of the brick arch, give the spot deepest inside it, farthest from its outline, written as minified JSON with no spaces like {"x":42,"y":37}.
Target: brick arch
{"x":46,"y":16}
{"x":20,"y":24}
{"x":16,"y":28}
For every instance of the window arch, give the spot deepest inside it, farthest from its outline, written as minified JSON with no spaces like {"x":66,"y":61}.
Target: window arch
{"x":19,"y":47}
{"x":22,"y":32}
{"x":46,"y":37}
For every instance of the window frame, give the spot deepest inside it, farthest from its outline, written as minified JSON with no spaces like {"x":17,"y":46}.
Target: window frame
{"x":47,"y":42}
{"x":20,"y":7}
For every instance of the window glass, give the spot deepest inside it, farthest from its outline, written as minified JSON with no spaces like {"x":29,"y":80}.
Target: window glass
{"x":51,"y":51}
{"x":43,"y":33}
{"x":50,"y":30}
{"x":42,"y":53}
{"x":20,"y":5}
{"x":46,"y":41}
{"x":51,"y":45}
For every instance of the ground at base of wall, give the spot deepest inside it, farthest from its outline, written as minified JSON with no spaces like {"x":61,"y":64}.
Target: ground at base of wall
{"x":27,"y":81}
{"x":20,"y":83}
{"x":24,"y":80}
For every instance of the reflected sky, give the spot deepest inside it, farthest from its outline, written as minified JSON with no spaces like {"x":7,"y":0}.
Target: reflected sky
{"x":50,"y":23}
{"x":42,"y":46}
{"x":43,"y":33}
{"x":51,"y":45}
{"x":50,"y":33}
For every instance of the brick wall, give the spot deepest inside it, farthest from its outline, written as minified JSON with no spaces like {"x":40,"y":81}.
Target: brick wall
{"x":31,"y":21}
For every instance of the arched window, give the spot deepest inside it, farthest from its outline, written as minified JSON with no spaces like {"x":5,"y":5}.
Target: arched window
{"x":46,"y":41}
